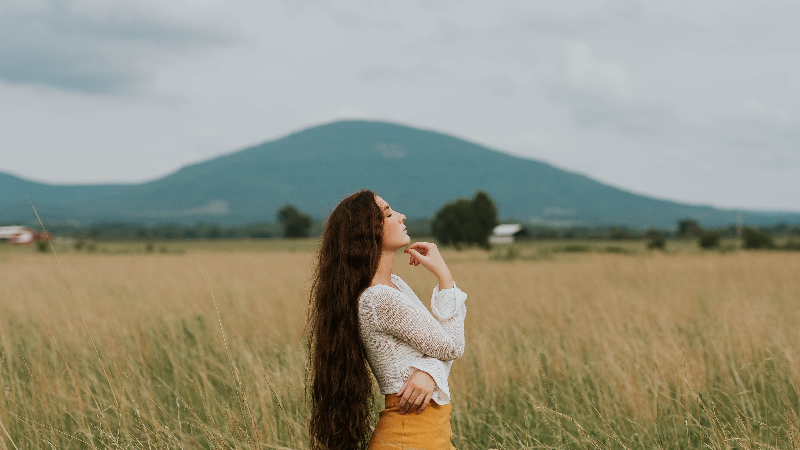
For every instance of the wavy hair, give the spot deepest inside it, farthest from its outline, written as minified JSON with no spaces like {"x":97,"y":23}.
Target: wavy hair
{"x":342,"y":395}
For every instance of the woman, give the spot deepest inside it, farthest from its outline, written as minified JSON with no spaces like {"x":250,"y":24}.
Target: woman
{"x":363,"y":317}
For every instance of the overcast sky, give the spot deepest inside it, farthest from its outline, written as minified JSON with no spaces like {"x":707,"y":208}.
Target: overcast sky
{"x":685,"y":100}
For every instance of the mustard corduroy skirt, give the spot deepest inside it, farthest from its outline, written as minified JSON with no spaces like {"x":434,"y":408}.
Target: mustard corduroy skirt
{"x":429,"y":430}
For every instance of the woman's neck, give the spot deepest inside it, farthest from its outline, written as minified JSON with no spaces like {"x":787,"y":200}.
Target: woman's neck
{"x":384,"y":273}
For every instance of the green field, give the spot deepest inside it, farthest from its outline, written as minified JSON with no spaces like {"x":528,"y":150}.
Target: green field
{"x":593,"y":344}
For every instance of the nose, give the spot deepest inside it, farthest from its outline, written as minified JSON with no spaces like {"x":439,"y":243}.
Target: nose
{"x":403,"y":218}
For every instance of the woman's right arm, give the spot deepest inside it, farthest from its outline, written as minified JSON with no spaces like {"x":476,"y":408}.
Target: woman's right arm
{"x":443,"y":339}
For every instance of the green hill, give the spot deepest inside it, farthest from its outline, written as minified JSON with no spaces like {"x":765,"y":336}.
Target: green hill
{"x":415,"y":170}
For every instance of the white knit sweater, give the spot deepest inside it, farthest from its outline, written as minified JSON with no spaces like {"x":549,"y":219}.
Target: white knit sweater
{"x":400,"y":334}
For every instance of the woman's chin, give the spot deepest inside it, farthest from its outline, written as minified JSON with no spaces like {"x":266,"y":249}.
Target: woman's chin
{"x":403,"y":243}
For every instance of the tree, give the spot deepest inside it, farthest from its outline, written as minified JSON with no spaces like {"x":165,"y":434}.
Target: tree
{"x":486,"y":214}
{"x":295,"y":223}
{"x":466,"y":221}
{"x":754,"y":239}
{"x":689,"y":228}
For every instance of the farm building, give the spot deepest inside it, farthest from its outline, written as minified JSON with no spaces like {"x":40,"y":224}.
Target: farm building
{"x":20,"y":235}
{"x":505,"y":234}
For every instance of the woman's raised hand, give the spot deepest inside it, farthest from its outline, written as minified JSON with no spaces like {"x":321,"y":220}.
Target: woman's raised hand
{"x":427,"y":254}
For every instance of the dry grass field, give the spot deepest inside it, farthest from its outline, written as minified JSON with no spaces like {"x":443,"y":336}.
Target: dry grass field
{"x":197,"y":348}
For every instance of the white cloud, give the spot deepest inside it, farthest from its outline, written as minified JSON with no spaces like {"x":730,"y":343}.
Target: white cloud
{"x":638,"y":94}
{"x":586,"y":70}
{"x":103,"y":47}
{"x":760,"y":111}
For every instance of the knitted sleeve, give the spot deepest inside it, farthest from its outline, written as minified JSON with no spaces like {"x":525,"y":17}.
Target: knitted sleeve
{"x":448,"y":303}
{"x":442,"y":339}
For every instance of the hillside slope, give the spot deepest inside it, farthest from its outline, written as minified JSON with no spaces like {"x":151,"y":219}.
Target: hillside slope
{"x":415,"y":170}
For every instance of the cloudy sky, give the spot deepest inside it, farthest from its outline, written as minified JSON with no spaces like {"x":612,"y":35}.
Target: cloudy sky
{"x":686,"y":100}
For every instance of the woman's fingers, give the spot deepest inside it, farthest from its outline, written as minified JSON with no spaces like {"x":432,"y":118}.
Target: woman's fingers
{"x":414,"y":400}
{"x":425,"y":402}
{"x":420,"y":259}
{"x":408,"y":393}
{"x":419,"y":401}
{"x":417,"y":255}
{"x":403,"y":389}
{"x":432,"y":261}
{"x":422,"y":247}
{"x":405,"y":401}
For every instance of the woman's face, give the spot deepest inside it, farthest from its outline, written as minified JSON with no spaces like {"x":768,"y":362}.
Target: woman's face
{"x":394,"y":232}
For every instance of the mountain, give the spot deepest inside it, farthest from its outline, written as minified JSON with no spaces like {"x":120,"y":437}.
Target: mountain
{"x":416,"y":171}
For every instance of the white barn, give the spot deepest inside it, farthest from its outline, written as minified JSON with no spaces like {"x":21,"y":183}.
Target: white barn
{"x":17,"y":234}
{"x":504,"y":234}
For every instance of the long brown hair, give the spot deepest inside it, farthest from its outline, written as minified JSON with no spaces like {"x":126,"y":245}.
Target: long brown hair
{"x":341,"y":386}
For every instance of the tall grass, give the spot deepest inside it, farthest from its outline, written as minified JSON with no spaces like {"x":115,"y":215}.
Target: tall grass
{"x":587,"y":351}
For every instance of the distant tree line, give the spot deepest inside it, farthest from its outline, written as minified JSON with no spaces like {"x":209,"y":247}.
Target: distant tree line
{"x":290,"y":222}
{"x":470,"y":222}
{"x":686,"y":228}
{"x":460,"y":223}
{"x":168,"y":231}
{"x":752,"y":237}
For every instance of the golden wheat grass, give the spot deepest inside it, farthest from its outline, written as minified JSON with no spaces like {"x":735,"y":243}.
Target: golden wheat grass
{"x":580,"y":351}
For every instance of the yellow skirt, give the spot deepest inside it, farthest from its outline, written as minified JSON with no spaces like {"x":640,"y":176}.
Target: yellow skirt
{"x":428,"y":430}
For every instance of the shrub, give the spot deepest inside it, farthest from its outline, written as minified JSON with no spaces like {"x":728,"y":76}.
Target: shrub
{"x":709,"y":239}
{"x":213,"y":231}
{"x":42,"y":246}
{"x":755,"y":239}
{"x":655,"y":239}
{"x":619,"y":233}
{"x":574,"y":248}
{"x":791,"y":245}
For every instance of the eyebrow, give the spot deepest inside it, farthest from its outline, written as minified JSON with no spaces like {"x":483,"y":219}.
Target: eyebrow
{"x":386,"y":207}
